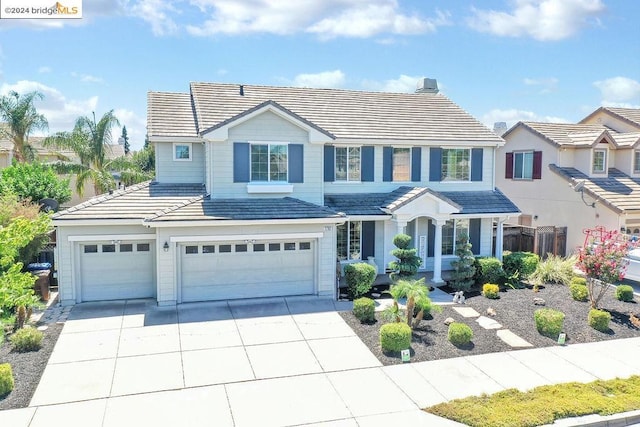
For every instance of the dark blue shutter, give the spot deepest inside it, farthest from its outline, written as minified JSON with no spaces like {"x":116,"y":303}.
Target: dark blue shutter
{"x":329,"y":163}
{"x":387,"y":164}
{"x":431,"y":238}
{"x":476,"y":164}
{"x":474,"y":235}
{"x":368,"y":239}
{"x":296,"y":163}
{"x":416,"y":164}
{"x":366,"y":164}
{"x":241,"y":162}
{"x":435,"y":164}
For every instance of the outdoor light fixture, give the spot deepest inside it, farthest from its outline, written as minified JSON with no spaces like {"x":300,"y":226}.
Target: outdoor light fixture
{"x":166,"y":246}
{"x":579,"y":188}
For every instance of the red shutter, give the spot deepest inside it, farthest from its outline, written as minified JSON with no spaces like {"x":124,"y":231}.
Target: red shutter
{"x":508,"y":166}
{"x":537,"y":165}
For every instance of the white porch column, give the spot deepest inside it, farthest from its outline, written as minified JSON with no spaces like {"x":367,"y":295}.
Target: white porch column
{"x":401,"y":226}
{"x":499,"y":238}
{"x":437,"y":252}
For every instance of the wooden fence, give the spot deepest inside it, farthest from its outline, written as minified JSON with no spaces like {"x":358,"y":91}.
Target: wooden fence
{"x":540,"y":240}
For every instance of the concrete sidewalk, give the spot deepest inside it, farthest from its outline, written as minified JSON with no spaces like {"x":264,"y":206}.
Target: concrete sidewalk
{"x":276,"y":362}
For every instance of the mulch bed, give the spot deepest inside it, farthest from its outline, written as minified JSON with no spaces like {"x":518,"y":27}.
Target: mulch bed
{"x":514,"y":311}
{"x":27,"y":368}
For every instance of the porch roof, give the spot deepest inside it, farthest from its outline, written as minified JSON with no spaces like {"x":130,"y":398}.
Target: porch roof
{"x":482,"y":202}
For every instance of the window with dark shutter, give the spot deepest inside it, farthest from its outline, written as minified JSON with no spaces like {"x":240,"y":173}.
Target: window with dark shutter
{"x":435,"y":164}
{"x":329,"y":163}
{"x":416,"y":164}
{"x":537,"y":165}
{"x":508,"y":166}
{"x":241,"y":162}
{"x":296,"y":163}
{"x":368,"y":167}
{"x":387,"y":164}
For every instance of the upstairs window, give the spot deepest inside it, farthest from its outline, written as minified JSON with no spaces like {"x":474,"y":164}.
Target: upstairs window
{"x":456,"y":164}
{"x":349,"y":237}
{"x":182,"y":152}
{"x":269,"y":162}
{"x":599,"y":161}
{"x":636,"y":161}
{"x":401,"y":164}
{"x":523,"y":165}
{"x":347,"y":163}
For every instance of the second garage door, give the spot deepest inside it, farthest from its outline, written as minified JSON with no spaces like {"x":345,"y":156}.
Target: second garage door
{"x":231,"y":270}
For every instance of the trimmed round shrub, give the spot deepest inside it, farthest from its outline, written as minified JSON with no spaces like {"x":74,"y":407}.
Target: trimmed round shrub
{"x":6,"y":379}
{"x":624,"y":293}
{"x":360,"y":277}
{"x":26,"y":339}
{"x":599,"y":319}
{"x":549,"y":322}
{"x":491,"y":291}
{"x":525,"y":263}
{"x":459,"y":334}
{"x":395,"y":336}
{"x":489,"y":270}
{"x":579,"y":280}
{"x":579,"y":292}
{"x":364,"y":309}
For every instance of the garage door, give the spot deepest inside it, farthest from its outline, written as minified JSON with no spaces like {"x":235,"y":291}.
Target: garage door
{"x":230,"y":270}
{"x":117,"y":271}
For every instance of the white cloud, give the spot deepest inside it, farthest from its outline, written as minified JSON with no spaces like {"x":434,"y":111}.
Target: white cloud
{"x":403,"y":84}
{"x":325,"y":79}
{"x":619,"y":92}
{"x":540,"y":19}
{"x":325,"y":18}
{"x":512,"y":116}
{"x":44,"y":70}
{"x":87,"y":78}
{"x":158,"y":13}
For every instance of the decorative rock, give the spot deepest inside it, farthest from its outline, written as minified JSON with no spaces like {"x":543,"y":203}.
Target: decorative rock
{"x":42,"y":328}
{"x":375,"y":295}
{"x":539,"y":301}
{"x":448,"y":321}
{"x":458,"y":297}
{"x":491,"y":311}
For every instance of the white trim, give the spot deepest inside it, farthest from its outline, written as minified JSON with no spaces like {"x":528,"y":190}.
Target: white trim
{"x":105,"y":237}
{"x":269,"y":187}
{"x":368,"y":217}
{"x":419,"y":143}
{"x":73,"y":222}
{"x":163,"y":139}
{"x":225,"y":223}
{"x":240,"y":237}
{"x":268,"y":144}
{"x":183,"y":144}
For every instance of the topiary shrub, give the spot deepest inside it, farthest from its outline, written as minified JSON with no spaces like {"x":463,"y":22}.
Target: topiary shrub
{"x":599,"y":319}
{"x":579,"y":292}
{"x":489,"y":270}
{"x":6,"y":379}
{"x":624,"y":293}
{"x":549,"y":322}
{"x":459,"y":334}
{"x":26,"y":339}
{"x":464,"y":268}
{"x":522,"y":263}
{"x":364,"y":309}
{"x":579,"y":280}
{"x":491,"y":291}
{"x":360,"y":277}
{"x":395,"y":336}
{"x":407,"y":260}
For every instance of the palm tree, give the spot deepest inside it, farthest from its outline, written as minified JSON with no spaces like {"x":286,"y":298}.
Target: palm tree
{"x":21,"y":119}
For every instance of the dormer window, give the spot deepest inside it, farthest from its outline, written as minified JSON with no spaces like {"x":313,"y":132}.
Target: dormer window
{"x":599,"y":161}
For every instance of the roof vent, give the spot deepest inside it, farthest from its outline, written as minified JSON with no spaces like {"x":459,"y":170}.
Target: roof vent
{"x":241,"y":90}
{"x":499,"y":128}
{"x":427,"y":86}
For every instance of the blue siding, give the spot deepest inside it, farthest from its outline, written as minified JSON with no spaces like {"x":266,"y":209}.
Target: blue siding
{"x":435,"y":164}
{"x":474,"y":235}
{"x":329,"y":163}
{"x":241,"y":162}
{"x":387,"y":164}
{"x":416,"y":164}
{"x":476,"y":164}
{"x":367,"y":164}
{"x":296,"y":163}
{"x":368,"y":239}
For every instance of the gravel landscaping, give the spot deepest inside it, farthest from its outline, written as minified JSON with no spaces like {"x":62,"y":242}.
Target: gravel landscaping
{"x":514,"y":311}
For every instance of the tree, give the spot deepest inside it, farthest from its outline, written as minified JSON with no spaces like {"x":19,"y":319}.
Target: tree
{"x":418,"y":302}
{"x":125,"y":138}
{"x":463,"y":267}
{"x":22,"y":118}
{"x":34,"y":181}
{"x":407,"y":262}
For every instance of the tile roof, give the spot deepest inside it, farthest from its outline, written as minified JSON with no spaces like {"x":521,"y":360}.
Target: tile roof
{"x":564,"y":133}
{"x":629,"y":115}
{"x":135,"y":202}
{"x":347,"y":114}
{"x":208,"y":209}
{"x":618,"y":190}
{"x":482,"y":202}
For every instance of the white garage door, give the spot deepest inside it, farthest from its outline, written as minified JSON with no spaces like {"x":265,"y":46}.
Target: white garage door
{"x":117,"y":271}
{"x":230,"y":270}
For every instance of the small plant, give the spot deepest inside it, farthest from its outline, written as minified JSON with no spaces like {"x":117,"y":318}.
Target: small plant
{"x":459,"y":334}
{"x":489,"y":270}
{"x":26,"y":339}
{"x":6,"y":379}
{"x":549,"y":322}
{"x":522,"y":263}
{"x":599,"y":319}
{"x":554,"y":269}
{"x":364,"y":309}
{"x":360,"y":278}
{"x":624,"y":293}
{"x":418,"y":302}
{"x":579,"y":292}
{"x":463,"y":267}
{"x":407,"y":259}
{"x":395,"y":336}
{"x":491,"y":291}
{"x":578,"y":280}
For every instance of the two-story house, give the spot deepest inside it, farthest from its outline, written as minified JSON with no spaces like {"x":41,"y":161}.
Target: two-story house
{"x":260,"y":190}
{"x":575,"y":175}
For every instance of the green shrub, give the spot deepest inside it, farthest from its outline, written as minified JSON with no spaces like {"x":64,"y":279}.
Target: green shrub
{"x":395,"y":336}
{"x":524,"y":263}
{"x":6,"y":379}
{"x":26,"y":339}
{"x":360,"y":278}
{"x":364,"y":309}
{"x":579,"y":280}
{"x":554,"y":269}
{"x":579,"y":292}
{"x":599,"y":319}
{"x":489,"y":270}
{"x":459,"y":334}
{"x":489,"y":290}
{"x":549,"y":322}
{"x":624,"y":293}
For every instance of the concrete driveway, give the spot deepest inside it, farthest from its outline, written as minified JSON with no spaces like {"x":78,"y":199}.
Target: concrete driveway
{"x":276,"y":362}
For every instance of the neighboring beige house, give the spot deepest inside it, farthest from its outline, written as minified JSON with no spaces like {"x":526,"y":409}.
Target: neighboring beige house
{"x":575,"y":175}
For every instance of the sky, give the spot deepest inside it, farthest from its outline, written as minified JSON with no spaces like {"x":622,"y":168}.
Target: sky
{"x":500,"y":60}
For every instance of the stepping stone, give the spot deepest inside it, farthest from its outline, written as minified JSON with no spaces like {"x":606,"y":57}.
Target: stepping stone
{"x":466,"y":311}
{"x":488,"y":323}
{"x":512,"y":339}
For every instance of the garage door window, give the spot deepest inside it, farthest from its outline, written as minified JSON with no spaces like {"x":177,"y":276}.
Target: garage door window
{"x":225,"y":248}
{"x":289,"y":246}
{"x":191,"y":250}
{"x":142,"y":247}
{"x":208,"y":249}
{"x":126,"y":247}
{"x":90,"y":249}
{"x":258,"y":247}
{"x":108,"y":248}
{"x":305,"y":246}
{"x":274,"y":246}
{"x":241,"y":248}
